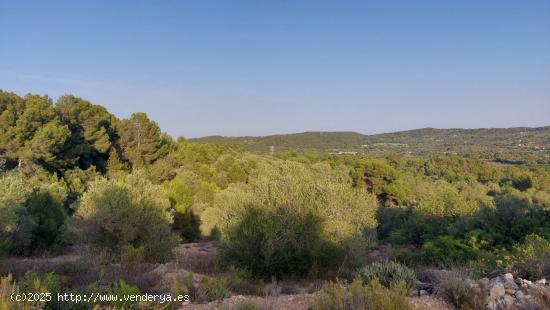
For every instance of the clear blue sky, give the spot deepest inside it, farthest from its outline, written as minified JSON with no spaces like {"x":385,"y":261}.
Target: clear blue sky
{"x":262,"y":67}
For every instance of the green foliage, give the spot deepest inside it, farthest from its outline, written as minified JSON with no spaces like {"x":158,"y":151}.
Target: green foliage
{"x":357,"y":296}
{"x":122,"y":289}
{"x":214,"y":288}
{"x":446,"y":251}
{"x":381,"y":179}
{"x":48,"y":283}
{"x":531,"y":259}
{"x":7,"y":288}
{"x":31,"y":214}
{"x":290,"y":199}
{"x":389,"y":274}
{"x":116,"y":213}
{"x":276,"y":242}
{"x":141,"y":140}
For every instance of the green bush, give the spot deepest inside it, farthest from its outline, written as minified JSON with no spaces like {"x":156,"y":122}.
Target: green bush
{"x":214,"y":288}
{"x":275,"y":242}
{"x":122,"y":289}
{"x":32,"y":213}
{"x":114,"y":214}
{"x":292,"y":218}
{"x":446,"y":251}
{"x":531,"y":259}
{"x":48,"y":283}
{"x":388,"y":274}
{"x":357,"y":296}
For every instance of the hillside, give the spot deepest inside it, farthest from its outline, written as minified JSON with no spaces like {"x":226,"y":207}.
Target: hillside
{"x":520,"y":140}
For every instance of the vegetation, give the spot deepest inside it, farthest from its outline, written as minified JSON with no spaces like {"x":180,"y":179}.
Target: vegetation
{"x":357,"y":296}
{"x":507,"y":145}
{"x":73,"y":174}
{"x":388,"y":274}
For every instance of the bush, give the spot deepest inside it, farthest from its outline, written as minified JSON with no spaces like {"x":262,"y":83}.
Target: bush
{"x":31,"y":213}
{"x":48,"y":283}
{"x":531,"y":259}
{"x":290,"y":218}
{"x":357,"y":296}
{"x":388,"y":274}
{"x":116,"y":214}
{"x":446,"y":251}
{"x":277,"y":242}
{"x":462,"y":294}
{"x":7,"y":288}
{"x":214,"y":288}
{"x":122,"y":289}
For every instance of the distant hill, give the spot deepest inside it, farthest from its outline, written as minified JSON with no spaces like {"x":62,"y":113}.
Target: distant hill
{"x":416,"y":142}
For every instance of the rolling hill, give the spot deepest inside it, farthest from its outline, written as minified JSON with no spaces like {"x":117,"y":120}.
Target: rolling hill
{"x":519,"y":140}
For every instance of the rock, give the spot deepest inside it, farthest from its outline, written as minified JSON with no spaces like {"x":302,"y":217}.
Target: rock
{"x":526,"y":282}
{"x":423,"y":293}
{"x":510,"y":291}
{"x":508,"y":277}
{"x":483,"y":282}
{"x":508,"y":301}
{"x":496,"y":291}
{"x":510,"y":284}
{"x":541,"y":281}
{"x":520,"y":296}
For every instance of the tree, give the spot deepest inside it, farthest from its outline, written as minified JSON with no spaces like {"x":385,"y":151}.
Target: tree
{"x":142,"y":141}
{"x":92,"y":129}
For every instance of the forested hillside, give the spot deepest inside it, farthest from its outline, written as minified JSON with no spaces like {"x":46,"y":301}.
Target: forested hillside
{"x":112,"y":200}
{"x":522,"y":143}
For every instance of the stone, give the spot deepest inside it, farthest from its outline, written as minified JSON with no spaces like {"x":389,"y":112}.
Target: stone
{"x":541,"y":281}
{"x":423,"y":293}
{"x":510,"y":291}
{"x":508,"y":277}
{"x":508,"y":301}
{"x":483,"y":282}
{"x":526,"y":283}
{"x":510,"y":284}
{"x":519,"y":295}
{"x":497,"y":291}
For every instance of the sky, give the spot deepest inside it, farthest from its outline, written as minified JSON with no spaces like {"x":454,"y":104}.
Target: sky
{"x":238,"y":68}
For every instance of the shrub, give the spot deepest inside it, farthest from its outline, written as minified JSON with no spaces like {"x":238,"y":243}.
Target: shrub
{"x":114,"y":214}
{"x":48,"y":283}
{"x":7,"y":288}
{"x":246,"y":305}
{"x":31,"y":213}
{"x":446,"y":251}
{"x":122,"y":289}
{"x":462,"y":294}
{"x":357,"y":296}
{"x":214,"y":288}
{"x":531,"y":259}
{"x":292,"y":215}
{"x":388,"y":274}
{"x":277,"y":242}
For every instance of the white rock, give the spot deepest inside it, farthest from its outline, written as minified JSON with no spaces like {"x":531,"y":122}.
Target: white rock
{"x":541,"y":281}
{"x":423,"y":293}
{"x":508,"y":277}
